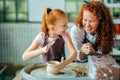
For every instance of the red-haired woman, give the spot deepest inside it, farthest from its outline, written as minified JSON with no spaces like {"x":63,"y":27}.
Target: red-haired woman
{"x":93,"y":31}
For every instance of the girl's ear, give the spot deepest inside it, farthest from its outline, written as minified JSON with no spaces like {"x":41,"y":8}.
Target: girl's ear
{"x":51,"y":27}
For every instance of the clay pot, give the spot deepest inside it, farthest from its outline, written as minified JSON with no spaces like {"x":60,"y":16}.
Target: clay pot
{"x":51,"y":67}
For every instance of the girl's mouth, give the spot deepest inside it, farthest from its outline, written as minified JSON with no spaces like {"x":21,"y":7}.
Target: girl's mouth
{"x":63,"y":31}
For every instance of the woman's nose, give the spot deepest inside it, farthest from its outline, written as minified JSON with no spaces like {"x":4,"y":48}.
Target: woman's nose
{"x":87,"y":24}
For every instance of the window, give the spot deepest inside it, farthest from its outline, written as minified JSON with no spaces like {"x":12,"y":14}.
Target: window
{"x":13,"y":10}
{"x":72,"y":8}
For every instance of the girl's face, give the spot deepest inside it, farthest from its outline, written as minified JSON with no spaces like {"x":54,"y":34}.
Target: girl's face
{"x":61,"y":26}
{"x":90,"y":22}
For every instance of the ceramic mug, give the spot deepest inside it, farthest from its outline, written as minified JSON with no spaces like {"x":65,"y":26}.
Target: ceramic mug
{"x":51,"y":67}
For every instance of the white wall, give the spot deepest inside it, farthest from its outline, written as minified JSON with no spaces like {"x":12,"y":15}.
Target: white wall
{"x":36,"y":7}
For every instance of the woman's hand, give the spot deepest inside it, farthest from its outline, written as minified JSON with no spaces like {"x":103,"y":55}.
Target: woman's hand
{"x":87,"y":48}
{"x":91,"y":51}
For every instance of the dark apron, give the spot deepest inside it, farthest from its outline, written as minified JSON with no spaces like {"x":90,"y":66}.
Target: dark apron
{"x":56,"y":51}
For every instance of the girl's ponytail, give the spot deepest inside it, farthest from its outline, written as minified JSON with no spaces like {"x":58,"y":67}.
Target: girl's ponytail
{"x":45,"y":20}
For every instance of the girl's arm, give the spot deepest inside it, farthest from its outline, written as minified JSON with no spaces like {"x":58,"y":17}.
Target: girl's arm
{"x":72,"y":51}
{"x":32,"y":51}
{"x":71,"y":48}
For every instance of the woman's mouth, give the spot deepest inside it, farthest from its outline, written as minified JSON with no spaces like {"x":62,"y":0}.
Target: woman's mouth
{"x":88,"y":29}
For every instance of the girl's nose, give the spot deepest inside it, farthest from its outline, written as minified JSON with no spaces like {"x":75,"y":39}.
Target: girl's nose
{"x":67,"y":27}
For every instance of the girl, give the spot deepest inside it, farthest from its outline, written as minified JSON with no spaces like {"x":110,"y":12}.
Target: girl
{"x":51,"y":39}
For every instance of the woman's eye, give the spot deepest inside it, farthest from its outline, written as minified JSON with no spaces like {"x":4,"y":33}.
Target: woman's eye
{"x":84,"y":20}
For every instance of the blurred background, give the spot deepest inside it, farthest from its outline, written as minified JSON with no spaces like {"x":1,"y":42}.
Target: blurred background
{"x":20,"y":22}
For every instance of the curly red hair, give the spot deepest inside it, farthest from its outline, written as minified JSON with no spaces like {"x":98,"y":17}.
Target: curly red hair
{"x":106,"y":27}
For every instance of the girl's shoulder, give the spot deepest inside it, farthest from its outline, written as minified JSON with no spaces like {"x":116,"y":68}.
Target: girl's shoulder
{"x":40,"y":38}
{"x":41,"y":35}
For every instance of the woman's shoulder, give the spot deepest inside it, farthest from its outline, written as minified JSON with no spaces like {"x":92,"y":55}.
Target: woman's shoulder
{"x":77,"y":30}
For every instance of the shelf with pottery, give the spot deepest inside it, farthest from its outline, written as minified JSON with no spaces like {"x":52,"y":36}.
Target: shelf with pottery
{"x":113,"y":5}
{"x":116,"y":52}
{"x":118,"y":37}
{"x":116,"y":21}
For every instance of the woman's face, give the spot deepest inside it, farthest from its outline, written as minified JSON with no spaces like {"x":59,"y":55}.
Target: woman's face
{"x":90,"y":22}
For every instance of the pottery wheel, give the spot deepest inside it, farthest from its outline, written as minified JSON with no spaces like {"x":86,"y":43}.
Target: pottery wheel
{"x":41,"y":72}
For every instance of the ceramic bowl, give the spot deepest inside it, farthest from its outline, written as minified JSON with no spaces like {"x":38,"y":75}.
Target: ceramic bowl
{"x":51,"y":67}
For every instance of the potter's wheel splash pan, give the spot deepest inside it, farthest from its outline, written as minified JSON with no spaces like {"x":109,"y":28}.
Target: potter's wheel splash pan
{"x":38,"y":72}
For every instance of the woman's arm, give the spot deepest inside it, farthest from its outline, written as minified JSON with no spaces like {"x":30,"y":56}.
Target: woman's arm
{"x":77,"y":37}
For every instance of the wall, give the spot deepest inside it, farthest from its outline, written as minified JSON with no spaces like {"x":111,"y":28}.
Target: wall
{"x":15,"y":39}
{"x":36,"y":7}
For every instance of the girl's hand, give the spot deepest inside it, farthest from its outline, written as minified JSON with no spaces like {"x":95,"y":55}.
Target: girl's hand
{"x":61,"y":65}
{"x":47,"y":47}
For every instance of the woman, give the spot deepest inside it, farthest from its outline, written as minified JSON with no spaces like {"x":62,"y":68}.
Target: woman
{"x":93,"y":31}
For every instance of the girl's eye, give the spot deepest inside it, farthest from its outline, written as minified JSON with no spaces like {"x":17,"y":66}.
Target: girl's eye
{"x":64,"y":25}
